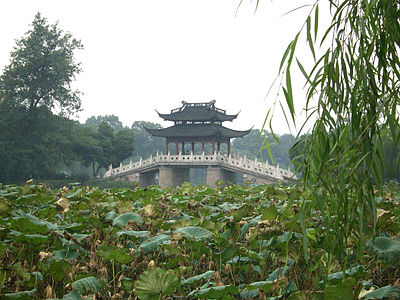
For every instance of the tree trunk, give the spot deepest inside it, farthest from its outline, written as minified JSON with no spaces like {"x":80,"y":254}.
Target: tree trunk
{"x":94,"y":168}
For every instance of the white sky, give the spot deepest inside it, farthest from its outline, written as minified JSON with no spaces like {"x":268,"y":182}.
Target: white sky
{"x":142,"y":55}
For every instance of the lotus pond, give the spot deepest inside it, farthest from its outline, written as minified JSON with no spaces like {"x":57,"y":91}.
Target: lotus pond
{"x":189,"y":242}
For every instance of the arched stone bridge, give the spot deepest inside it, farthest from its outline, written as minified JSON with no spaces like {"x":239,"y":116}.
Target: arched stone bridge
{"x":175,"y":169}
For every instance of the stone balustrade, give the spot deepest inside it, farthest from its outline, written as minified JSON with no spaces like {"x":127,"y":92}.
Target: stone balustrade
{"x":236,"y":163}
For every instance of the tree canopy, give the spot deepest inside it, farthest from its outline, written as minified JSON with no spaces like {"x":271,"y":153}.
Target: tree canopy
{"x":42,"y":69}
{"x":146,"y":144}
{"x":253,"y":146}
{"x":34,"y":141}
{"x":353,"y":93}
{"x":34,"y":145}
{"x":112,"y":120}
{"x":108,"y":142}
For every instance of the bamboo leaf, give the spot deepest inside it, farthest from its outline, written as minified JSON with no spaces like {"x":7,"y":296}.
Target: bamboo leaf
{"x":267,"y":145}
{"x":309,"y":37}
{"x":316,"y":20}
{"x":297,"y":8}
{"x":303,"y":71}
{"x":284,"y":114}
{"x":289,"y":95}
{"x":288,"y":49}
{"x":293,"y":49}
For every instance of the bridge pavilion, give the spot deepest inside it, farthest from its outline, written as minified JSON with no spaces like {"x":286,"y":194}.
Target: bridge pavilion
{"x":197,"y":123}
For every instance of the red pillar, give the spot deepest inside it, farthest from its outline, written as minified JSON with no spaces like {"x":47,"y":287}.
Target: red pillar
{"x":202,"y":147}
{"x":166,"y":146}
{"x":183,"y":148}
{"x":213,"y":147}
{"x":218,"y":146}
{"x":229,"y":147}
{"x":193,"y":147}
{"x":177,"y":150}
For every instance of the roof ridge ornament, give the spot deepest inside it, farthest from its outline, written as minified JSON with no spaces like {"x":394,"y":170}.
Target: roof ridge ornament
{"x":211,"y":104}
{"x":198,"y":112}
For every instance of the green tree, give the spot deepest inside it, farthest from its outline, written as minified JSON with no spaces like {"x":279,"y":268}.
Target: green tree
{"x":33,"y":145}
{"x":124,"y":145}
{"x":103,"y":146}
{"x":34,"y":141}
{"x":253,"y":146}
{"x":42,"y":69}
{"x":86,"y":147}
{"x":391,"y":157}
{"x":112,"y":120}
{"x":298,"y":152}
{"x":146,"y":144}
{"x":353,"y":91}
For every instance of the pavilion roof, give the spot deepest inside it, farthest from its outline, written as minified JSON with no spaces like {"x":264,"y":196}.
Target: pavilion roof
{"x":188,"y":131}
{"x":203,"y":111}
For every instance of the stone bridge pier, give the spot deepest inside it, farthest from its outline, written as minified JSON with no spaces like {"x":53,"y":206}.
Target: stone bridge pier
{"x":173,"y":175}
{"x":176,"y":175}
{"x":215,"y":173}
{"x":147,"y":178}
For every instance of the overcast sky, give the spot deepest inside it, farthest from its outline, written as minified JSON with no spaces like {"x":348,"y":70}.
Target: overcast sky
{"x":142,"y":55}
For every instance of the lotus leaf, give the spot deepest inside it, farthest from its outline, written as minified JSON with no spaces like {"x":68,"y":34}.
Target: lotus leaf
{"x":29,"y":224}
{"x":155,"y":242}
{"x":217,"y":292}
{"x":138,"y":234}
{"x":264,"y":285}
{"x":59,"y":269}
{"x":122,"y":220}
{"x":67,"y":254}
{"x":335,"y":278}
{"x":110,"y":215}
{"x":205,"y":276}
{"x":73,"y":295}
{"x":387,"y":248}
{"x":33,"y":239}
{"x":195,"y":233}
{"x":87,"y":285}
{"x":127,"y":284}
{"x":343,"y":290}
{"x":278,"y":272}
{"x":156,"y":283}
{"x":388,"y":292}
{"x":109,"y":252}
{"x":20,"y":295}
